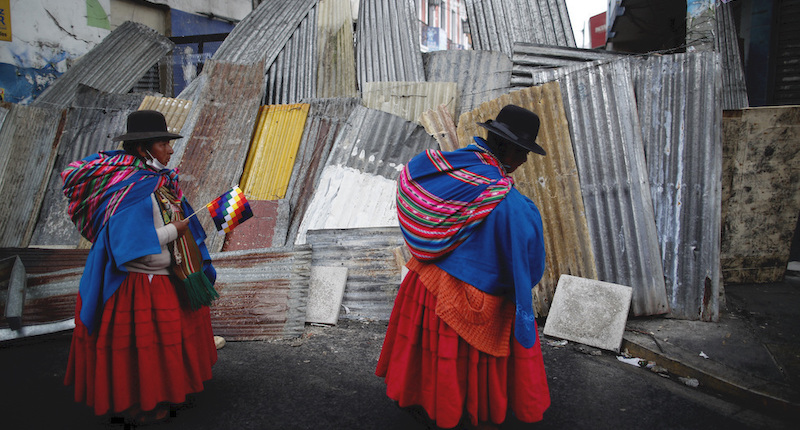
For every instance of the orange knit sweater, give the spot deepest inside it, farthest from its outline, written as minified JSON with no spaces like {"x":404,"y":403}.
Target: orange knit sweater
{"x":483,"y":320}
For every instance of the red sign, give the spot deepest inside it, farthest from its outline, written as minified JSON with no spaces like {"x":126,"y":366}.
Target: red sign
{"x":597,"y":27}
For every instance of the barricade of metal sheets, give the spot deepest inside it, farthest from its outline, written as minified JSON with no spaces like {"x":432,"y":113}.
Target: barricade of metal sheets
{"x":175,"y":110}
{"x":358,"y":184}
{"x":496,"y":24}
{"x":216,"y":150}
{"x":551,"y":182}
{"x":273,"y":150}
{"x":409,"y":100}
{"x":326,"y":119}
{"x":292,"y":77}
{"x":387,"y":43}
{"x":481,"y":75}
{"x":93,"y":120}
{"x":336,"y":58}
{"x":29,"y":139}
{"x":734,"y":88}
{"x":373,"y":274}
{"x":440,"y":124}
{"x":679,"y":104}
{"x":262,"y":34}
{"x":263,"y":293}
{"x":606,"y":137}
{"x":531,"y":57}
{"x":113,"y":66}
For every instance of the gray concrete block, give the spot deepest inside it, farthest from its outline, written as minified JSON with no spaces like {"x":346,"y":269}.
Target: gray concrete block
{"x":590,"y":312}
{"x":325,"y":294}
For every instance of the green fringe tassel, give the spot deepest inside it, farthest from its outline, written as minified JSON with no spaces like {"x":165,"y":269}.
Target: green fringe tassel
{"x":199,"y":290}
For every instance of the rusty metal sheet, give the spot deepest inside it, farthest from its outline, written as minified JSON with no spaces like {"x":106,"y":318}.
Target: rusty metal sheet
{"x":28,"y":146}
{"x":439,"y":124}
{"x":175,"y":110}
{"x":680,"y":104}
{"x":263,"y":293}
{"x":273,"y":151}
{"x":326,"y":119}
{"x":45,"y":260}
{"x":551,"y":182}
{"x":91,"y":122}
{"x":496,"y":24}
{"x":481,"y":75}
{"x":262,"y":34}
{"x":760,"y":192}
{"x":216,"y":150}
{"x":600,"y":106}
{"x":113,"y":66}
{"x":409,"y":100}
{"x":387,"y":43}
{"x":373,"y":272}
{"x":726,"y":42}
{"x":336,"y":58}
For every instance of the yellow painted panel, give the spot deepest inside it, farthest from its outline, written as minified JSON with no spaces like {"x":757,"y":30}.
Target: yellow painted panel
{"x":273,"y":150}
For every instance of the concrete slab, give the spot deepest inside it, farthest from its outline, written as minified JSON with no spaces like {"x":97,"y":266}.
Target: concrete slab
{"x":325,"y":294}
{"x":590,"y":312}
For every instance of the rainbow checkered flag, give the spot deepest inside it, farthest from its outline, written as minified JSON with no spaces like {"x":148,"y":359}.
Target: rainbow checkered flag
{"x":230,"y":210}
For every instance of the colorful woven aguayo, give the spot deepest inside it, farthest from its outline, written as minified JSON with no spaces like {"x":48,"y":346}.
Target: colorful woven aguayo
{"x":230,"y":210}
{"x":442,"y":197}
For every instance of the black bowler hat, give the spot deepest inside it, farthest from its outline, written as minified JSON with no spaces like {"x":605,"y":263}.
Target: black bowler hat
{"x":146,"y":125}
{"x":516,"y":125}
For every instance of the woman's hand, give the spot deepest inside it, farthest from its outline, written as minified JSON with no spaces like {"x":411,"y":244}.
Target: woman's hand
{"x":181,"y":225}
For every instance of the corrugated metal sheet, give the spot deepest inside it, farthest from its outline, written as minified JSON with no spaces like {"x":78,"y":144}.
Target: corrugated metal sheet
{"x":262,"y":34}
{"x":481,"y":75}
{"x":263,"y":293}
{"x":51,"y":296}
{"x":387,"y":43}
{"x":551,"y":182}
{"x":373,"y":273}
{"x":113,"y":66}
{"x":409,"y":100}
{"x":192,"y":93}
{"x":496,"y":24}
{"x":680,"y":108}
{"x":292,"y":76}
{"x":357,"y":186}
{"x":531,"y":57}
{"x":439,"y":124}
{"x":326,"y":119}
{"x":760,"y":192}
{"x":29,"y":140}
{"x":336,"y":58}
{"x":216,"y":150}
{"x":175,"y":110}
{"x":93,"y":120}
{"x":607,"y":141}
{"x":3,"y":113}
{"x":41,"y":260}
{"x":734,"y":88}
{"x":273,"y":150}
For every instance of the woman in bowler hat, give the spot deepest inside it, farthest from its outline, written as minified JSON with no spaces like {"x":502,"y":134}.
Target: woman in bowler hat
{"x":142,"y":340}
{"x":462,"y":346}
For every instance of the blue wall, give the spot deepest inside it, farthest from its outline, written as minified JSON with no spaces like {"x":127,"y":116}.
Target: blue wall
{"x":22,"y":84}
{"x":187,"y":58}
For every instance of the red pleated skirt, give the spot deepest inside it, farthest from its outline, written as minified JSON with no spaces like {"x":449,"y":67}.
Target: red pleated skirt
{"x":147,"y":350}
{"x":425,"y":363}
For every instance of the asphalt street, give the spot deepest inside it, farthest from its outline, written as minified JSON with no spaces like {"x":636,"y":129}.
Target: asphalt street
{"x":325,"y":380}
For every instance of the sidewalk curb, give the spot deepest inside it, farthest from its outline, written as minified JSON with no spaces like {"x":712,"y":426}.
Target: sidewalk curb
{"x":731,"y":384}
